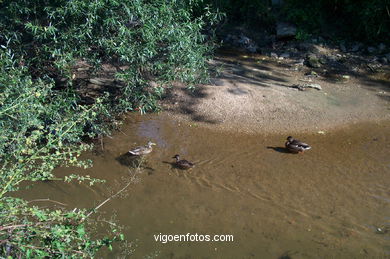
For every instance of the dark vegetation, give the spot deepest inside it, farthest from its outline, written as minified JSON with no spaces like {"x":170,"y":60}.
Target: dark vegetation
{"x":362,"y":20}
{"x":46,"y":123}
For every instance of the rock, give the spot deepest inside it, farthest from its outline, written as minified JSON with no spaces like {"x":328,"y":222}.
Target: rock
{"x":311,"y":74}
{"x":300,"y":62}
{"x":252,"y":48}
{"x":356,"y":47}
{"x":332,"y":58}
{"x":301,"y":87}
{"x":315,"y":86}
{"x":342,"y":47}
{"x":371,"y":50}
{"x":313,"y":61}
{"x":381,"y":47}
{"x":285,"y":55}
{"x":285,"y":30}
{"x":383,"y":60}
{"x":241,"y":41}
{"x":305,"y":46}
{"x":273,"y":55}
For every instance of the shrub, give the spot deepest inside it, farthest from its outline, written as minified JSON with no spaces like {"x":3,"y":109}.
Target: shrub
{"x":157,"y":40}
{"x":40,"y":130}
{"x":43,"y":123}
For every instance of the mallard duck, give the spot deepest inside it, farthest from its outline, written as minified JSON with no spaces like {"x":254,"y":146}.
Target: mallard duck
{"x":183,"y":164}
{"x":296,"y":146}
{"x":143,"y":150}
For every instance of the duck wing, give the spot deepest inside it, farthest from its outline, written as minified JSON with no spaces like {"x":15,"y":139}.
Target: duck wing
{"x":138,"y":150}
{"x":300,"y":144}
{"x":185,"y":164}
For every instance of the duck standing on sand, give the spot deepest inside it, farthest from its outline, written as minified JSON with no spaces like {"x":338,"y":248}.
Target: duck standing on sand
{"x":183,"y":164}
{"x":143,"y":150}
{"x":296,"y":146}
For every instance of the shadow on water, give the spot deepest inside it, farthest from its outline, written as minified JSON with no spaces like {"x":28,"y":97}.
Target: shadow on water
{"x":280,"y":149}
{"x":135,"y":162}
{"x":172,"y":164}
{"x":128,"y":160}
{"x":287,"y":255}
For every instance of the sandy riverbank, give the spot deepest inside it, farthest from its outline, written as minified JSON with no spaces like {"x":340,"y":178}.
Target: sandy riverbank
{"x":254,"y":94}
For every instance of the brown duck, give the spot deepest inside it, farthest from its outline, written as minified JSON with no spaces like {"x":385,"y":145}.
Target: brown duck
{"x":183,"y":164}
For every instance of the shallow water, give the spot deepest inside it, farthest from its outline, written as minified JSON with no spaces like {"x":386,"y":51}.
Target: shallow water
{"x":325,"y":203}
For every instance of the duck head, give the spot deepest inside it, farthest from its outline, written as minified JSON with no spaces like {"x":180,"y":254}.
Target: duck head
{"x":150,"y":143}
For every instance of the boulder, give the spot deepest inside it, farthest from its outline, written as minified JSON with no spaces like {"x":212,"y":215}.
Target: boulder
{"x":273,"y":55}
{"x":313,"y":61}
{"x":285,"y":30}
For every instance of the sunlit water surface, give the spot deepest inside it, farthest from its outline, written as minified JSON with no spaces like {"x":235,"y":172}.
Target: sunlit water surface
{"x":330,"y":202}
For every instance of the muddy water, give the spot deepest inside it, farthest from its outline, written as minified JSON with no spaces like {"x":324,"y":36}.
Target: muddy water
{"x":326,"y":203}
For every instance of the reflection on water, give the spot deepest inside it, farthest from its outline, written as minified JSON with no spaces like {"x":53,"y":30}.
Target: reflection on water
{"x":326,"y":203}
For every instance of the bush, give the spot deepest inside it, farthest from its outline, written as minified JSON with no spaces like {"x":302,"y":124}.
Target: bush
{"x":40,"y":130}
{"x":43,"y":123}
{"x":156,"y":40}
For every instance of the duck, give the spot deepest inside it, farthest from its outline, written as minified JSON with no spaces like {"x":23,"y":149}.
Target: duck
{"x":183,"y":164}
{"x":142,"y":150}
{"x":296,"y":146}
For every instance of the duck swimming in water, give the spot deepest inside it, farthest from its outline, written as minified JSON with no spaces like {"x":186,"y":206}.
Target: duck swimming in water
{"x":143,"y":150}
{"x":296,"y":146}
{"x":183,"y":164}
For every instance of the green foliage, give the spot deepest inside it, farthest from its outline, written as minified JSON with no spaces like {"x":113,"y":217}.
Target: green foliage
{"x":43,"y":123}
{"x":40,"y":130}
{"x":302,"y":35}
{"x":39,"y":127}
{"x":157,"y":40}
{"x":359,"y":20}
{"x":32,"y":232}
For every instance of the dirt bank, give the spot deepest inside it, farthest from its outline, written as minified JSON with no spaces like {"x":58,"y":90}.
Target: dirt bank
{"x":256,"y":93}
